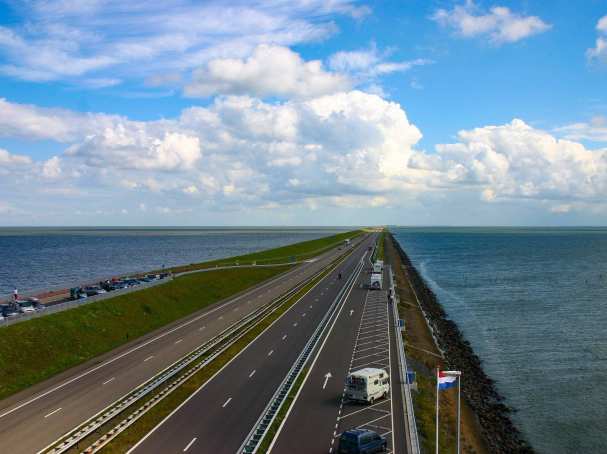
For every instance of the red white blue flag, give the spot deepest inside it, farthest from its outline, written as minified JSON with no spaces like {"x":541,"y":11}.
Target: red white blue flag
{"x":446,"y":380}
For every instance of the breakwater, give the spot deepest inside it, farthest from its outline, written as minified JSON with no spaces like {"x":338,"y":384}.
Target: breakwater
{"x":479,"y":390}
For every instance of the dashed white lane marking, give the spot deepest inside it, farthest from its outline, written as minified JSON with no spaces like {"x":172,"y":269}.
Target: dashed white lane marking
{"x":221,"y":317}
{"x":252,"y":373}
{"x":284,"y":337}
{"x":107,"y":381}
{"x":189,"y":445}
{"x":303,"y":315}
{"x":201,"y":328}
{"x":52,"y":412}
{"x":148,"y":358}
{"x":226,"y":402}
{"x":178,"y":340}
{"x":295,"y":324}
{"x":270,"y":352}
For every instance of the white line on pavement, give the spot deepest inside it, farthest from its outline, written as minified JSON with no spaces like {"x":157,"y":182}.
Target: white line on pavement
{"x":148,"y":358}
{"x":270,"y":352}
{"x":251,"y":374}
{"x":284,"y":337}
{"x":178,"y":340}
{"x":52,"y":412}
{"x":226,"y":402}
{"x":107,"y":381}
{"x":190,"y":444}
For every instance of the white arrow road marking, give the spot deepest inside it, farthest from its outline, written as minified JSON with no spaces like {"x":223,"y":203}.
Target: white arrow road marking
{"x":327,"y":376}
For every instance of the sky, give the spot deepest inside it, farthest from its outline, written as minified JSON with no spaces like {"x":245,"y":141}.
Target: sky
{"x":303,"y":112}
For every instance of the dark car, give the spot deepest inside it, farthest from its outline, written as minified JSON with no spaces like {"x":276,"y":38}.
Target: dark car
{"x":361,"y":441}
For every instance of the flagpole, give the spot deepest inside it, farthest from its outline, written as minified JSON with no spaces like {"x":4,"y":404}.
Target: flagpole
{"x":437,"y":393}
{"x":459,"y":379}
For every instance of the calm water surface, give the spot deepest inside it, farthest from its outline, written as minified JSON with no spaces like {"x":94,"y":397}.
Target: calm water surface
{"x":533,"y":303}
{"x":43,"y":258}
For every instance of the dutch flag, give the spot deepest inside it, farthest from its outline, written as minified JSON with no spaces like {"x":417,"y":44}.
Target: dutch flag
{"x":446,"y":380}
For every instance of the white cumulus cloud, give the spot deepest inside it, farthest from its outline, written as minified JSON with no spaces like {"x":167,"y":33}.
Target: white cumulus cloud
{"x":599,"y":51}
{"x":500,"y":24}
{"x":269,"y":71}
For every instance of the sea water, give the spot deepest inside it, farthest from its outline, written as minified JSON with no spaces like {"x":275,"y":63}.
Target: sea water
{"x":533,"y":304}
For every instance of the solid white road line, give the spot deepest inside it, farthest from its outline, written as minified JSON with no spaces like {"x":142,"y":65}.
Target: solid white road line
{"x":148,"y":358}
{"x":107,"y":381}
{"x":226,"y":402}
{"x":52,"y":412}
{"x":251,"y":374}
{"x":189,"y":445}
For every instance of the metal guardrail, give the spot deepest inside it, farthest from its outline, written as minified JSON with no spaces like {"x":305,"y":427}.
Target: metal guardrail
{"x":411,"y":423}
{"x":256,"y":435}
{"x":104,"y":416}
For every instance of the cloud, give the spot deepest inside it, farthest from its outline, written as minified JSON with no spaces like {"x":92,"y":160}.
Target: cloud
{"x":9,"y":160}
{"x":595,"y":130}
{"x":516,"y":161}
{"x":132,"y":147}
{"x":500,"y":24}
{"x":104,"y":41}
{"x":269,"y":71}
{"x":599,"y":51}
{"x":370,"y":63}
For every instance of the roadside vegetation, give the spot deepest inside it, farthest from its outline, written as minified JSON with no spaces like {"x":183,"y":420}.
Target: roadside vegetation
{"x":379,"y":252}
{"x":37,"y":349}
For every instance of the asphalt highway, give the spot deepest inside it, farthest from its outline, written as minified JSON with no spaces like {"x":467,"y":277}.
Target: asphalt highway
{"x":363,"y":336}
{"x":34,"y":418}
{"x":218,"y":417}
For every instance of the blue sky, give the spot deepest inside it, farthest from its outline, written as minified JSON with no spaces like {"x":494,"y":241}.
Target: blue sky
{"x":311,"y":112}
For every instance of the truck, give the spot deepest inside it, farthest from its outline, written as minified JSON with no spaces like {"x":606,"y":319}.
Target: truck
{"x":376,"y":281}
{"x":367,"y":385}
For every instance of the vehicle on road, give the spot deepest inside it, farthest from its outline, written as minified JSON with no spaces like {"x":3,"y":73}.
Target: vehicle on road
{"x":367,"y":385}
{"x":361,"y":441}
{"x":376,"y":281}
{"x":94,"y":290}
{"x":9,"y":310}
{"x":26,"y":306}
{"x":378,"y":266}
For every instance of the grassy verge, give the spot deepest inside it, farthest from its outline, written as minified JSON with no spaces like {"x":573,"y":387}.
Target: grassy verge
{"x":379,"y":252}
{"x":139,"y":429}
{"x":37,"y":349}
{"x":282,"y":413}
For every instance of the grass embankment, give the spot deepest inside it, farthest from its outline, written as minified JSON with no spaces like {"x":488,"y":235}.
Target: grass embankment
{"x":148,"y":421}
{"x":424,"y":357}
{"x":284,"y":254}
{"x":379,"y":252}
{"x":37,"y":349}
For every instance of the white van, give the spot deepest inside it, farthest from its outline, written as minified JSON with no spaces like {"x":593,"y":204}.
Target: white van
{"x":367,"y":385}
{"x":376,"y":281}
{"x":378,"y":266}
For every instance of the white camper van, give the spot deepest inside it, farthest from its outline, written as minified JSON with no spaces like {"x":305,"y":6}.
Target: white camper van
{"x":376,"y":281}
{"x":367,"y":385}
{"x":378,"y":266}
